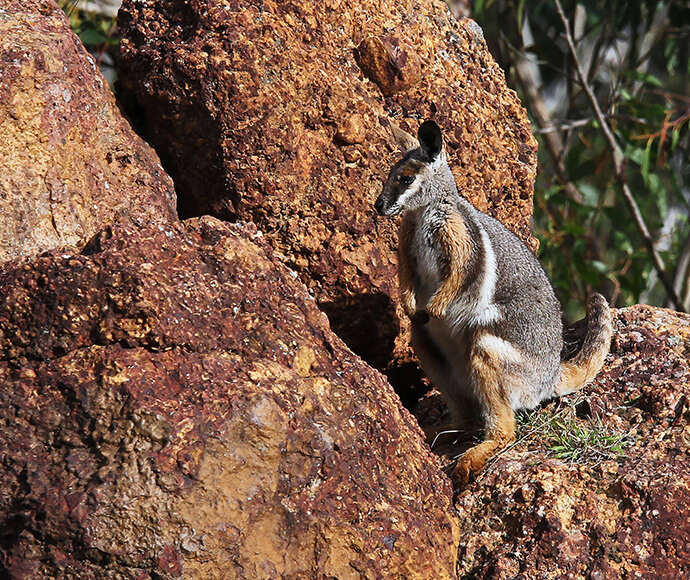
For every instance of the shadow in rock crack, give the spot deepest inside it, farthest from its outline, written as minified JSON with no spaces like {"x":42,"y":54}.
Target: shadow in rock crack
{"x":369,"y":325}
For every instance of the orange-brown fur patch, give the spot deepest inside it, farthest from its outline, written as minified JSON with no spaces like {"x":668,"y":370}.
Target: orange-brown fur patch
{"x":411,"y":169}
{"x":491,"y":380}
{"x":405,"y":267}
{"x":456,"y":246}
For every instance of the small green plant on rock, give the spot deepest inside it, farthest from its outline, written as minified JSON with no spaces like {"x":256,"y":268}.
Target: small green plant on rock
{"x":569,"y":438}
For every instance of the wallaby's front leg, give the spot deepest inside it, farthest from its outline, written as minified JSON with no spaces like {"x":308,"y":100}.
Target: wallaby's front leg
{"x":407,"y":296}
{"x":406,"y":268}
{"x":493,"y":384}
{"x":456,"y":249}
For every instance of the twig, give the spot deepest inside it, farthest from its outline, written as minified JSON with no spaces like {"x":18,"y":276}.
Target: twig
{"x":619,"y":166}
{"x":682,"y":277}
{"x":665,"y":127}
{"x":564,"y":126}
{"x":666,"y":94}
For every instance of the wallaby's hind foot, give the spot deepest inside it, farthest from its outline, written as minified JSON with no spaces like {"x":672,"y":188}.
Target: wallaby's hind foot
{"x":474,"y":460}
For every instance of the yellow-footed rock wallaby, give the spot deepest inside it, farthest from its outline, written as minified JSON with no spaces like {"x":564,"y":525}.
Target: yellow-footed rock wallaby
{"x":486,"y":325}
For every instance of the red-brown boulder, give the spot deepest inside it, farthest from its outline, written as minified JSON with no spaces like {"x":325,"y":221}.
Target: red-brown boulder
{"x":69,"y":162}
{"x":174,"y":405}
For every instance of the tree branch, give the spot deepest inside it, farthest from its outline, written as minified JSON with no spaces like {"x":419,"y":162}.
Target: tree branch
{"x":682,"y":278}
{"x":540,"y":114}
{"x":619,"y":165}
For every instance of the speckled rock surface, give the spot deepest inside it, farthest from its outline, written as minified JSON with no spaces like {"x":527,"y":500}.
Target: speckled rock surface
{"x":261,"y":112}
{"x":615,"y":514}
{"x":174,"y":405}
{"x":69,"y":162}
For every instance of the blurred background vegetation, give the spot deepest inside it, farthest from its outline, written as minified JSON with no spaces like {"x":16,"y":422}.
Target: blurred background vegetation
{"x":95,"y":22}
{"x":635,"y":59}
{"x":635,"y":56}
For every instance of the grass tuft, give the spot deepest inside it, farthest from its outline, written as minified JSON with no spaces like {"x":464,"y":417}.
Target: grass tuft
{"x":569,"y":438}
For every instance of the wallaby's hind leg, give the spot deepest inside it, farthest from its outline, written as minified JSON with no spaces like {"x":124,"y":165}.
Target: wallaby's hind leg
{"x":442,"y":375}
{"x":497,"y":437}
{"x":492,"y":383}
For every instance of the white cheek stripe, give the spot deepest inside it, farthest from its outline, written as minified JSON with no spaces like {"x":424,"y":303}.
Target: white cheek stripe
{"x":407,"y":194}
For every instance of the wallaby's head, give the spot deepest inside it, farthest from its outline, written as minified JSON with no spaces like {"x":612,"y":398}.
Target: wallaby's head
{"x":410,"y":183}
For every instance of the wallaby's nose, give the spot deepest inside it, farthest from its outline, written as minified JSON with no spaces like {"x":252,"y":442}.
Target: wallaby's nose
{"x":378,"y":205}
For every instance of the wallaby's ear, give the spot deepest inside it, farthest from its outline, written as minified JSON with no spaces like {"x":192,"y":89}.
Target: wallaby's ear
{"x":430,"y":139}
{"x":405,"y":141}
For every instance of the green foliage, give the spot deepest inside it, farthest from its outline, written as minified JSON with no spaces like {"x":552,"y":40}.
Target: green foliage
{"x":637,"y":56}
{"x":98,"y":33}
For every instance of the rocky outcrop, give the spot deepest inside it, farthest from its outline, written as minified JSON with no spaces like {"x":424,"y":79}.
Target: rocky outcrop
{"x":174,"y":405}
{"x":278,"y":113}
{"x":69,"y":163}
{"x":620,"y":511}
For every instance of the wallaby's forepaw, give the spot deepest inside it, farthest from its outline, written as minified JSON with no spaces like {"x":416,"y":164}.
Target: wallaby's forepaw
{"x":436,"y":310}
{"x":409,"y":304}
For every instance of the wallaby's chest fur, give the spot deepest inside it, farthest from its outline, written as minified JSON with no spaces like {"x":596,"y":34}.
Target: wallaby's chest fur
{"x":504,"y":302}
{"x":431,"y":260}
{"x":423,"y":250}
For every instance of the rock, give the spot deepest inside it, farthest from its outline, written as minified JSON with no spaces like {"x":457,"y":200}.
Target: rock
{"x":616,"y":513}
{"x":390,"y":64}
{"x":352,"y":131}
{"x":174,"y":405}
{"x":69,"y":163}
{"x":262,"y":113}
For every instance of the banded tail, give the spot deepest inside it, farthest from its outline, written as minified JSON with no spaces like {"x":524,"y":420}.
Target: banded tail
{"x":584,"y":366}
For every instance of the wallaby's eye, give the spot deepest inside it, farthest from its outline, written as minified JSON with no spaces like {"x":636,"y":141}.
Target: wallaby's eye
{"x":407,"y":179}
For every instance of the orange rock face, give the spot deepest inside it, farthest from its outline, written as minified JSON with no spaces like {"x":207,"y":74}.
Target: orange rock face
{"x":278,"y":112}
{"x":69,"y":163}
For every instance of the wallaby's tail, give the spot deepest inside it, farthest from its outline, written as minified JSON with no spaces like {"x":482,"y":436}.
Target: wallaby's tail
{"x":582,"y":368}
